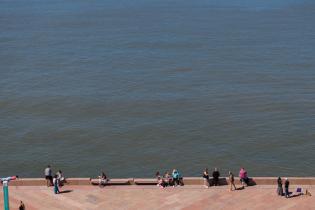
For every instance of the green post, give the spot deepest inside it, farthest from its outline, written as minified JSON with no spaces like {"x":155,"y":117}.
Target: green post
{"x":6,"y":195}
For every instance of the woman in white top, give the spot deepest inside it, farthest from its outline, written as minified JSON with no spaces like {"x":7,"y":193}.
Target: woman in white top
{"x":61,"y":178}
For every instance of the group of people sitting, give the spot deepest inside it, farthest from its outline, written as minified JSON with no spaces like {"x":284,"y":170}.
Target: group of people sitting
{"x":174,"y":179}
{"x":57,"y":180}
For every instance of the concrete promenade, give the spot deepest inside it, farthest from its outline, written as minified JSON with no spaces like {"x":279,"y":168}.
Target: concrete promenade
{"x":87,"y":197}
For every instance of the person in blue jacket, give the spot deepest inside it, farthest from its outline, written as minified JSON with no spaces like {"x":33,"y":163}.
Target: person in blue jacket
{"x":177,"y":178}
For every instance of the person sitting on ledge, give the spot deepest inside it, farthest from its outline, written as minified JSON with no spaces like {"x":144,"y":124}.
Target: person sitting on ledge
{"x":160,"y":181}
{"x":244,"y":178}
{"x":102,"y":180}
{"x":167,"y":179}
{"x":176,"y":177}
{"x":216,"y":175}
{"x":206,"y":180}
{"x":7,"y":179}
{"x":181,"y":181}
{"x":279,"y":189}
{"x":61,"y":178}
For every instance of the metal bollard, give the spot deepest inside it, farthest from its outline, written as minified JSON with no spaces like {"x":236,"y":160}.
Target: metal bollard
{"x":6,"y":195}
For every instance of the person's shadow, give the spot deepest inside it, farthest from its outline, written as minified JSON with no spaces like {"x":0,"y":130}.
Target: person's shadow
{"x":65,"y":191}
{"x":291,"y":195}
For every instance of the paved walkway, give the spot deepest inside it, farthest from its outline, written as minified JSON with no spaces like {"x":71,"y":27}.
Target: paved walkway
{"x":151,"y":197}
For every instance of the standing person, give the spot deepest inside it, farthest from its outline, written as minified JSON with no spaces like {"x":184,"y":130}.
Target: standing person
{"x":279,"y":189}
{"x":231,"y":180}
{"x":21,"y":206}
{"x":286,"y":186}
{"x":206,"y":180}
{"x":48,"y":176}
{"x":244,"y":178}
{"x":216,"y":175}
{"x":56,"y":184}
{"x":176,"y":177}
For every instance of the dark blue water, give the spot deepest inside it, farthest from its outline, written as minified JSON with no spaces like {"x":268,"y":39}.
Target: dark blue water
{"x":131,"y":87}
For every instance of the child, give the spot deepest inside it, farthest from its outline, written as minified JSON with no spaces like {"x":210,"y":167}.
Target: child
{"x":56,"y":184}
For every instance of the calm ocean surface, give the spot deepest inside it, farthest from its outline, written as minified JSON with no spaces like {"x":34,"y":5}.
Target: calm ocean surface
{"x":131,"y":87}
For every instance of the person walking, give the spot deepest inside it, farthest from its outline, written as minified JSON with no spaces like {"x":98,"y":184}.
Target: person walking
{"x":206,"y":180}
{"x":56,"y":184}
{"x":48,"y":176}
{"x":231,"y":180}
{"x":286,"y":186}
{"x":216,"y":175}
{"x":279,"y":189}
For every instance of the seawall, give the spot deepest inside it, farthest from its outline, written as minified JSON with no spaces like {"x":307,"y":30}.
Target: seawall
{"x":147,"y":181}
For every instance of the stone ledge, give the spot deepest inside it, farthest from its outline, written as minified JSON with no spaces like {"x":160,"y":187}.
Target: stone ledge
{"x":140,"y":181}
{"x":28,"y":182}
{"x":78,"y":181}
{"x":150,"y":181}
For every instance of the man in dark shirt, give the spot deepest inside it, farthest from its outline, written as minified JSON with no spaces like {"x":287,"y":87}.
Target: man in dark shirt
{"x":280,"y":189}
{"x":286,"y":186}
{"x":48,"y":176}
{"x":216,"y":175}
